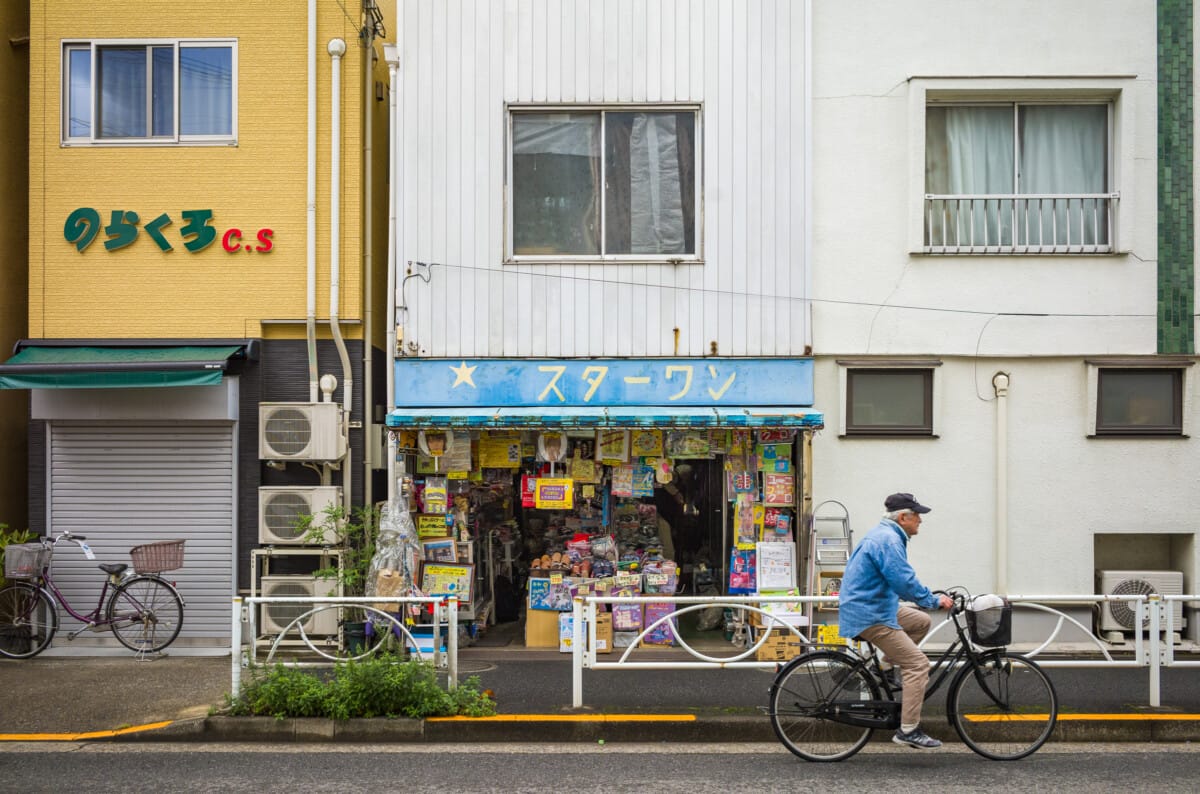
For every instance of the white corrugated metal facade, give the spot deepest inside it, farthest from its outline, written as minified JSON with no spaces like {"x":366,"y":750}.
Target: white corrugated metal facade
{"x":125,"y":484}
{"x":463,"y":65}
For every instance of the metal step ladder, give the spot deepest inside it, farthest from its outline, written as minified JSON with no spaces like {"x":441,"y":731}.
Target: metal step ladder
{"x":830,"y":541}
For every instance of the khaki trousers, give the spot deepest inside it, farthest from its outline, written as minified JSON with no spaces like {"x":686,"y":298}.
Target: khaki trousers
{"x":900,"y":648}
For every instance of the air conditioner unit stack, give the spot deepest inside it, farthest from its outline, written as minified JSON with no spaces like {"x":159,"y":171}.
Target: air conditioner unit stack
{"x":300,"y":431}
{"x":280,"y":507}
{"x":274,"y":618}
{"x":1120,"y":616}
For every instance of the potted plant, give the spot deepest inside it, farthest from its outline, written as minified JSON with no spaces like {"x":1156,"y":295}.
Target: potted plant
{"x":356,"y":530}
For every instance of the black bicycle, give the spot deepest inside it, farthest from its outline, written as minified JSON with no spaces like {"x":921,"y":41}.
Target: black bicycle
{"x":826,"y":703}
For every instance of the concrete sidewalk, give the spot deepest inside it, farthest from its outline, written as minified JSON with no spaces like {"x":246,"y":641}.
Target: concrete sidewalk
{"x":119,"y":697}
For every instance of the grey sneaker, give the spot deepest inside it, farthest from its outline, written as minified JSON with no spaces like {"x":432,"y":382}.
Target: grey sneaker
{"x":917,"y":738}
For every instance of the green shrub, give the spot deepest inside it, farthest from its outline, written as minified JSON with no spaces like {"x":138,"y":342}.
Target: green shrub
{"x":281,"y":692}
{"x":381,"y":686}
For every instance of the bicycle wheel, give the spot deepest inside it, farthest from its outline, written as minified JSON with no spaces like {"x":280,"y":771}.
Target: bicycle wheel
{"x":1005,"y":707}
{"x":803,"y":689}
{"x":28,"y":620}
{"x":146,"y":614}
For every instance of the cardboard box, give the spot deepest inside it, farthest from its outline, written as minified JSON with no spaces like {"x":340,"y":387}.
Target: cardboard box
{"x":566,"y":632}
{"x":779,"y":647}
{"x":624,"y":639}
{"x":604,"y":632}
{"x":828,"y":635}
{"x":550,"y":596}
{"x":664,"y":633}
{"x":541,"y":628}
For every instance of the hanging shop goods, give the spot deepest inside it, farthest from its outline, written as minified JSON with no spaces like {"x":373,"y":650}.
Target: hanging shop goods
{"x":506,"y":519}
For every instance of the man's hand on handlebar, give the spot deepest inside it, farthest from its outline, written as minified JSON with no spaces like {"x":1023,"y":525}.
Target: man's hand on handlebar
{"x":946,"y":601}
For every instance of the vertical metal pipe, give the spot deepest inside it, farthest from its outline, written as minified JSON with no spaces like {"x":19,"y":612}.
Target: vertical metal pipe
{"x":577,"y":652}
{"x":1000,"y":384}
{"x":1155,"y":606}
{"x":235,"y":648}
{"x":391,"y":54}
{"x":337,"y":48}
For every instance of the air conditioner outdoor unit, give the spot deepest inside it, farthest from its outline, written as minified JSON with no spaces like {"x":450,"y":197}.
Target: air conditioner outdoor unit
{"x":274,"y":618}
{"x":300,"y":431}
{"x":280,"y":507}
{"x":1121,"y":615}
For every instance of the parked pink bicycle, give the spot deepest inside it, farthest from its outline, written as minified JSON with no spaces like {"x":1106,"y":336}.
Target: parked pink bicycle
{"x":143,"y":610}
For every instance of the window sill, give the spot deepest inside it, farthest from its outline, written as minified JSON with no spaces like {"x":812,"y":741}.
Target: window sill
{"x":591,"y":260}
{"x":145,"y":144}
{"x":877,"y":435}
{"x":1138,"y":436}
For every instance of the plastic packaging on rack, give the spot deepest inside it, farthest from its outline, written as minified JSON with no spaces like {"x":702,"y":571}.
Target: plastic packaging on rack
{"x":396,"y":565}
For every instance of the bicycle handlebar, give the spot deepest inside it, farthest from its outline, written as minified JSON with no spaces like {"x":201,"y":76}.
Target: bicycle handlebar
{"x":62,"y":536}
{"x":957,"y":595}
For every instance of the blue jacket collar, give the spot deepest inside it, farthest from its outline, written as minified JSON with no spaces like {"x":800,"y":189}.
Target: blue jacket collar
{"x":899,"y":530}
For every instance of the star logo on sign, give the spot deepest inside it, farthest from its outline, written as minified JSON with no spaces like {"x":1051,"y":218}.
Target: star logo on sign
{"x":462,"y":374}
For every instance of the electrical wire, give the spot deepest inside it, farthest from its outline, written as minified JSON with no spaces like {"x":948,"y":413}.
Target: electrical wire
{"x":729,"y":293}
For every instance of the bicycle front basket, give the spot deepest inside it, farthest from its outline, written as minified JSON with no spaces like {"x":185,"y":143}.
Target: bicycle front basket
{"x":989,"y":619}
{"x":25,"y":560}
{"x":166,"y":555}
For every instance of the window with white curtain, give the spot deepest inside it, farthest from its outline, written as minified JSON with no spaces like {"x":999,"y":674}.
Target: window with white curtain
{"x":150,"y":92}
{"x":1018,"y":177}
{"x":604,"y":183}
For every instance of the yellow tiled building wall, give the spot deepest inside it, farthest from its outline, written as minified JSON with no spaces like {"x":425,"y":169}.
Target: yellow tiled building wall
{"x":140,"y":291}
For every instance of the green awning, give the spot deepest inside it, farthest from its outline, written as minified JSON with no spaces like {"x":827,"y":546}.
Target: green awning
{"x":69,"y":367}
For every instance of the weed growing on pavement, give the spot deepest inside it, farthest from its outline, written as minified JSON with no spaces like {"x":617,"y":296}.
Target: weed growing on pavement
{"x":381,"y":686}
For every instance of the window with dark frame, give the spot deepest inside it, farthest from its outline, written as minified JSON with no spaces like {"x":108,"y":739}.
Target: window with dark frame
{"x":889,"y":402}
{"x":604,"y":183}
{"x":1139,"y":401}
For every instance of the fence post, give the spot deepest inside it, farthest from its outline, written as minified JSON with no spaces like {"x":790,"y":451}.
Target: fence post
{"x":452,"y":643}
{"x":1154,"y":604}
{"x":577,"y":652}
{"x":235,"y":647}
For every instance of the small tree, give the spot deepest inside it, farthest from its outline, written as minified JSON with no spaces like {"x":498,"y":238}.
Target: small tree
{"x":356,"y":530}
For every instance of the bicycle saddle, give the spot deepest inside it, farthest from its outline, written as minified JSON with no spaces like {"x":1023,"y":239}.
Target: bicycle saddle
{"x":115,"y":568}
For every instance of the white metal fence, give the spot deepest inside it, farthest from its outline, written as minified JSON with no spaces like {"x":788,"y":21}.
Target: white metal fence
{"x":1151,"y":650}
{"x":1020,"y":223}
{"x":386,"y":623}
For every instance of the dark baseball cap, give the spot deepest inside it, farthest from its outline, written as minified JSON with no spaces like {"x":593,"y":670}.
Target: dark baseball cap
{"x":904,"y":501}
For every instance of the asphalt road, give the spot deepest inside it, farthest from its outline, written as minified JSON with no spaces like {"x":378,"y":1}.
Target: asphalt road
{"x":77,"y":695}
{"x":640,"y":769}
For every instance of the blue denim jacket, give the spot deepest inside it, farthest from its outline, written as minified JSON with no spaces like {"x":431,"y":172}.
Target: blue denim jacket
{"x":877,"y":576}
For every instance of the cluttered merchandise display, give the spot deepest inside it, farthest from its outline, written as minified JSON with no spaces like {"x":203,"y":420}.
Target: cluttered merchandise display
{"x":533,"y":519}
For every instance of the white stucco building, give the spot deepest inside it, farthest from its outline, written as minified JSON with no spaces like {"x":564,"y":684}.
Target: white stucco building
{"x":1036,"y":503}
{"x":955,"y":210}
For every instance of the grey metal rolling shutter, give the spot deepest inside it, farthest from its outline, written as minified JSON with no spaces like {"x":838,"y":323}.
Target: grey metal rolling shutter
{"x":122,"y":485}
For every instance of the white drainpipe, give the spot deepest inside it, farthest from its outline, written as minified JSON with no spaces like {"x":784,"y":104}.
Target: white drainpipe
{"x":391,"y":54}
{"x":368,"y":267}
{"x":310,"y":209}
{"x":337,"y":48}
{"x":1000,"y":384}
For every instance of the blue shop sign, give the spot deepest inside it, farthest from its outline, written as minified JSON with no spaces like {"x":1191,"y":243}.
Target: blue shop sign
{"x":716,"y":382}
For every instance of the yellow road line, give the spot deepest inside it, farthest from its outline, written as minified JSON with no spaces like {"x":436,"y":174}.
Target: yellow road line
{"x":1079,"y":717}
{"x":571,"y":718}
{"x":71,"y":737}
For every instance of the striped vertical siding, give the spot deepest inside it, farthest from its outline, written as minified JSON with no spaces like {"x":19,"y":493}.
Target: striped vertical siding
{"x":463,"y":61}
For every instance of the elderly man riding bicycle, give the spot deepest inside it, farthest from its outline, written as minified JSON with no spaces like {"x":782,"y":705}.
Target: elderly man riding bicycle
{"x":877,"y":576}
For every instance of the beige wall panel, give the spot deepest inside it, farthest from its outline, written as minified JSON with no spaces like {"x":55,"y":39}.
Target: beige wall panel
{"x":139,"y":291}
